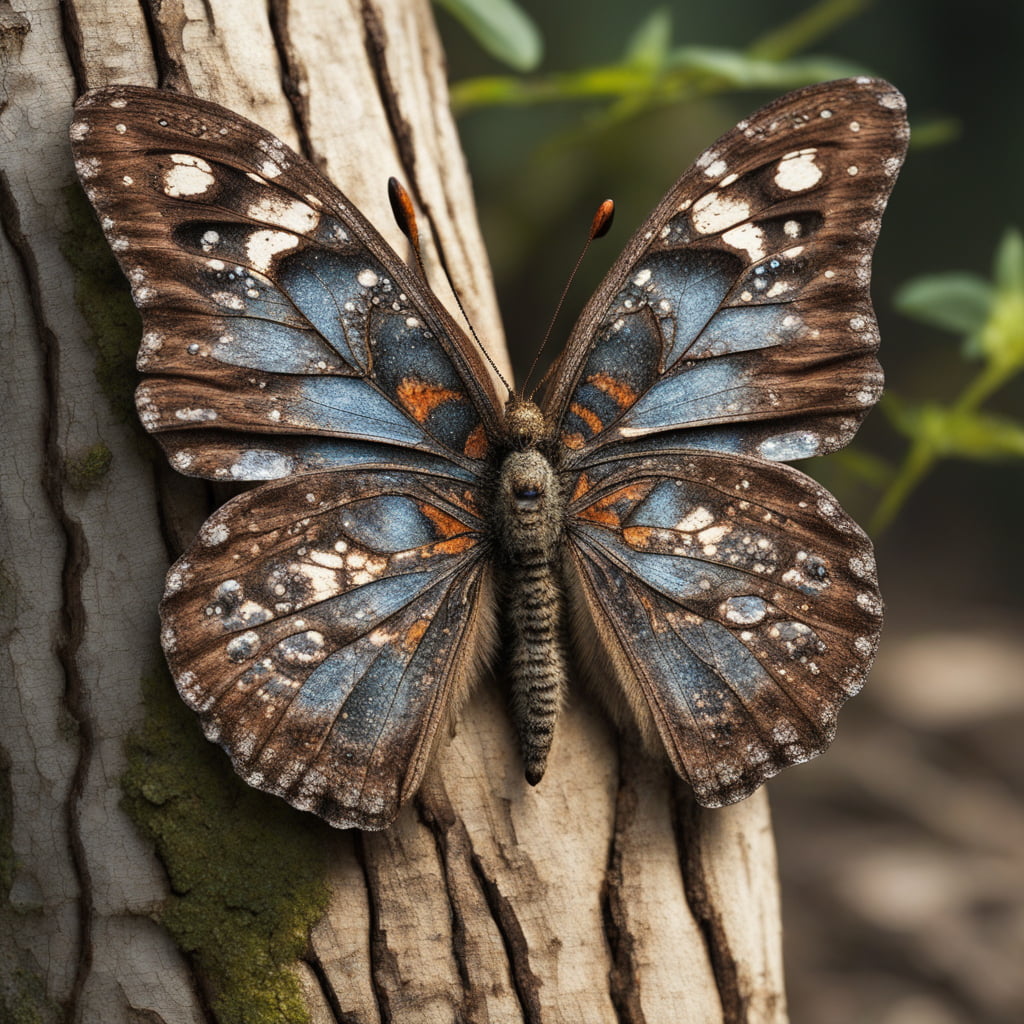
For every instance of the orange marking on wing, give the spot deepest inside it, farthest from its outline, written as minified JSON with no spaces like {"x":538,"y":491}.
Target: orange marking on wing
{"x":476,"y":444}
{"x":447,"y":526}
{"x":656,"y":621}
{"x":638,"y":536}
{"x":622,"y":394}
{"x":573,"y":440}
{"x":602,"y":512}
{"x":582,"y":486}
{"x":414,"y":634}
{"x":420,"y":398}
{"x":592,"y":420}
{"x":455,"y":546}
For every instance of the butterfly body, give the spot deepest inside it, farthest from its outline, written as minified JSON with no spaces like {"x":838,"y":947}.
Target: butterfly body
{"x":529,"y":524}
{"x":326,"y":624}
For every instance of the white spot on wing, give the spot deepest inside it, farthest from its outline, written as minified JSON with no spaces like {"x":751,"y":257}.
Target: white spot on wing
{"x":698,"y":518}
{"x":284,"y":213}
{"x":189,"y":415}
{"x":718,"y":212}
{"x":189,"y":176}
{"x":748,"y":237}
{"x":87,"y":167}
{"x":798,"y":172}
{"x":263,"y":246}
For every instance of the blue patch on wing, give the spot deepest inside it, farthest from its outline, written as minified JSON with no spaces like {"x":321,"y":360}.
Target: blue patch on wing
{"x":350,"y":407}
{"x":391,"y":522}
{"x":683,"y":290}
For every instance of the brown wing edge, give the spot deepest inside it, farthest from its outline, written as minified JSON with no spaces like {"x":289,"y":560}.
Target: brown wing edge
{"x":97,"y":118}
{"x":609,"y":672}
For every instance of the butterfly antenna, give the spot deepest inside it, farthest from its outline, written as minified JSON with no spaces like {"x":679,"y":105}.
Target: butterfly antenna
{"x":599,"y":227}
{"x":405,"y":217}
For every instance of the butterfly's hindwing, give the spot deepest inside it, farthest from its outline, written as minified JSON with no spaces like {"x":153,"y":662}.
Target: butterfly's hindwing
{"x":737,"y":606}
{"x":271,"y":308}
{"x":324,"y":626}
{"x":740,"y":310}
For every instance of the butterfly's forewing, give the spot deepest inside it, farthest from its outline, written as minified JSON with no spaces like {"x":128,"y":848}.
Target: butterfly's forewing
{"x":740,"y":310}
{"x":736,"y":605}
{"x":325,"y":624}
{"x":278,"y":325}
{"x":323,"y":628}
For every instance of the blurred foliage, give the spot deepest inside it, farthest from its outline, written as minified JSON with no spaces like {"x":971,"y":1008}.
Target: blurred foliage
{"x":990,"y":317}
{"x":652,"y":72}
{"x":502,"y":28}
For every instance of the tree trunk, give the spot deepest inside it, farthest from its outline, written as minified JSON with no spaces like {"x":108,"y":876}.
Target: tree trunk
{"x":141,"y":881}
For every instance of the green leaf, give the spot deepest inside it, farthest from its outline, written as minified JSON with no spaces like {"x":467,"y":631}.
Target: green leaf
{"x":959,"y":433}
{"x":956,"y":301}
{"x":502,"y":28}
{"x":1009,"y":262}
{"x":863,"y":466}
{"x":649,"y":44}
{"x":935,"y":131}
{"x":735,"y":68}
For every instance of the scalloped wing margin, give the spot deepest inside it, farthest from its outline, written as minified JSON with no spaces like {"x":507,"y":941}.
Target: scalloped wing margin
{"x":735,"y":605}
{"x":271,"y":308}
{"x":740,"y":311}
{"x":325,"y":627}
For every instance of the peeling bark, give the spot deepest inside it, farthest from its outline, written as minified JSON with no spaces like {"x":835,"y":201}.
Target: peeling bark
{"x":603,"y":895}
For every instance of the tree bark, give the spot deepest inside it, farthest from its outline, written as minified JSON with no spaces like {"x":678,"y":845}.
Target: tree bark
{"x":140,"y":881}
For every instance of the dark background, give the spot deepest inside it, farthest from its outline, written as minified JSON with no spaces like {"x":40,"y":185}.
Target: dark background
{"x":902,"y":850}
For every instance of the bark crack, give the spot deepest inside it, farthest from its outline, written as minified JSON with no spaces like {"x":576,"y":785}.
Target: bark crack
{"x":290,"y":75}
{"x":525,"y":983}
{"x":453,"y":842}
{"x":376,"y":42}
{"x":159,"y":20}
{"x":688,"y":822}
{"x":313,"y":962}
{"x":622,"y":987}
{"x":72,"y":614}
{"x":382,"y":959}
{"x":71,"y":31}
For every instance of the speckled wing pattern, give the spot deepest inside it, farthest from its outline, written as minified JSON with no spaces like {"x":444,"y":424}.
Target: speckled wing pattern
{"x":278,"y":325}
{"x":323,"y":625}
{"x":736,"y":604}
{"x":324,"y":650}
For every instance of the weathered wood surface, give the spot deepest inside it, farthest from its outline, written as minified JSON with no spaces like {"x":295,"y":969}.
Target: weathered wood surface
{"x":603,"y":895}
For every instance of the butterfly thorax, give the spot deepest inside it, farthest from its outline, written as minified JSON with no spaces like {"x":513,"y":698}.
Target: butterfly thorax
{"x":529,"y":521}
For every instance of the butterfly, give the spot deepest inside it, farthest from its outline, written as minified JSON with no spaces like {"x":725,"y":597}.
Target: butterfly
{"x":409,"y":527}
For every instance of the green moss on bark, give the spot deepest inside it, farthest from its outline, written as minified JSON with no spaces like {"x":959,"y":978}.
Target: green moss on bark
{"x":23,"y":1000}
{"x":246,"y":870}
{"x":85,"y":471}
{"x":104,"y":299}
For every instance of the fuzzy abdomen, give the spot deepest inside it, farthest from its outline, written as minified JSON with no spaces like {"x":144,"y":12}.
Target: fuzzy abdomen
{"x":530,"y":524}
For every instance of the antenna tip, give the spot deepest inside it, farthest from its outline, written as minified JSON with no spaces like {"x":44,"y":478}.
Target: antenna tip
{"x":402,"y":209}
{"x":602,"y":221}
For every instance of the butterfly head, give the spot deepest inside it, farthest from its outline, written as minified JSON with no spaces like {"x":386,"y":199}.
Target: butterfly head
{"x":525,"y":426}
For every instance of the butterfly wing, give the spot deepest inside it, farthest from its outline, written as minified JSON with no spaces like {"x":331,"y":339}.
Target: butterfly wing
{"x":734,"y":604}
{"x":740,"y":309}
{"x":281,"y":333}
{"x":323,"y":627}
